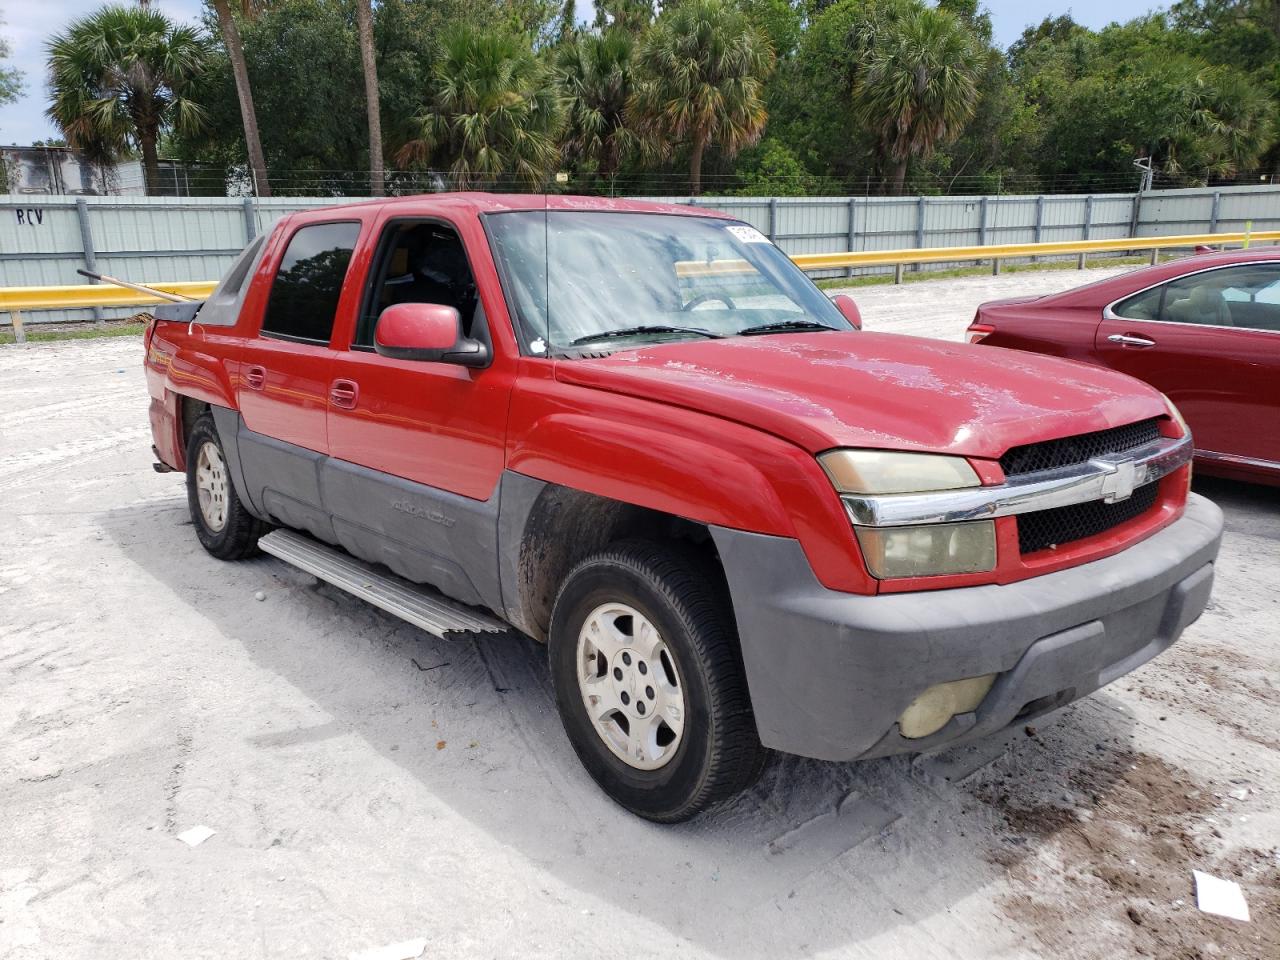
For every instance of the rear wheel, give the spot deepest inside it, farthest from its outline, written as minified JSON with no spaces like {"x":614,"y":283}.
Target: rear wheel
{"x":649,"y":681}
{"x":223,"y":525}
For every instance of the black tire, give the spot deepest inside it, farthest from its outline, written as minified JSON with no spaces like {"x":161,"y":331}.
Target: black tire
{"x":719,"y":753}
{"x":238,"y":536}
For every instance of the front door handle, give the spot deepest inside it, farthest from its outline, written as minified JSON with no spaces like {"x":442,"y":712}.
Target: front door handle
{"x":344,"y":394}
{"x":1128,"y":340}
{"x":255,"y":377}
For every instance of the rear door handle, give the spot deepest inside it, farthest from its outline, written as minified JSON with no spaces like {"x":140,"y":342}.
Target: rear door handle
{"x":344,"y":394}
{"x":255,"y":377}
{"x":1128,"y":340}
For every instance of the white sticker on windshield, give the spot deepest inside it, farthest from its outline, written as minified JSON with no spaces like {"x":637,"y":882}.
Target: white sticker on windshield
{"x":748,"y":234}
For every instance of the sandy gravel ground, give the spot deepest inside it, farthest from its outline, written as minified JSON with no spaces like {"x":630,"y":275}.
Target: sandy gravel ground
{"x":369,"y":784}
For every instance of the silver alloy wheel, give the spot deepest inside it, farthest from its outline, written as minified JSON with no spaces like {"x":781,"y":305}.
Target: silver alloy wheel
{"x":211,"y":486}
{"x":630,"y":686}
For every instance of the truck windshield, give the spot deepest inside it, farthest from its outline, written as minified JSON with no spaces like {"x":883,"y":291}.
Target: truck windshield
{"x":579,"y":277}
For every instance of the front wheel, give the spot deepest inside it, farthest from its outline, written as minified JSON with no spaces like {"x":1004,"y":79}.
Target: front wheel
{"x":649,"y":681}
{"x":225,"y":528}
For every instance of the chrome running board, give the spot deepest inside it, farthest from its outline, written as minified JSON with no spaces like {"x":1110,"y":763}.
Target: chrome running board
{"x":419,"y":605}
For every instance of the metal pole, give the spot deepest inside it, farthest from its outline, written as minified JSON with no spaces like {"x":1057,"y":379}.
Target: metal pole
{"x":86,"y":246}
{"x":982,"y":223}
{"x":919,"y":228}
{"x":1088,"y":224}
{"x":1213,"y":214}
{"x":1039,"y":221}
{"x":250,"y":221}
{"x":773,"y":219}
{"x":853,"y":230}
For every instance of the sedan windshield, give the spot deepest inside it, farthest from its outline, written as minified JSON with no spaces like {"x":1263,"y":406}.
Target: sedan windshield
{"x":578,"y":278}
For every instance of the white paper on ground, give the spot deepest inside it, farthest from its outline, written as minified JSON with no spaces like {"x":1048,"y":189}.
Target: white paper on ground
{"x":393,"y":951}
{"x":196,"y":835}
{"x":1221,"y":897}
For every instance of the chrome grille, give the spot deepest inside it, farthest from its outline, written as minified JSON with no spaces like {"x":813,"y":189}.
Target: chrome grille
{"x":1047,"y":528}
{"x":1070,"y":451}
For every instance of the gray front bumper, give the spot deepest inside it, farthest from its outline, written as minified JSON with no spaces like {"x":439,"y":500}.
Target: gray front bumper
{"x":830,"y":673}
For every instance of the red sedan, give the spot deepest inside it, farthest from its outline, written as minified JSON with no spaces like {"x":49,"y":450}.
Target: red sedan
{"x":1205,"y":330}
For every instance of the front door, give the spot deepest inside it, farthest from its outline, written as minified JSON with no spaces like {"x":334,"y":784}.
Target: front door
{"x":1211,"y":342}
{"x":418,"y":448}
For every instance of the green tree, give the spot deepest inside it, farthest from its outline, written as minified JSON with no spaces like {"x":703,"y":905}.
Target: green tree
{"x":772,"y":169}
{"x":700,"y":74}
{"x":244,"y":91}
{"x":119,"y":78}
{"x":633,"y":16}
{"x":595,"y":75}
{"x":918,"y":88}
{"x":493,"y":111}
{"x":10,"y":79}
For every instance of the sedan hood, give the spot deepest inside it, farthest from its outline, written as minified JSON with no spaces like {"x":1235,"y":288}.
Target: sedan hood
{"x":883,"y":391}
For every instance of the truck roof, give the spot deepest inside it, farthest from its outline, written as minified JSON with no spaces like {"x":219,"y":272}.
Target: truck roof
{"x":504,"y":202}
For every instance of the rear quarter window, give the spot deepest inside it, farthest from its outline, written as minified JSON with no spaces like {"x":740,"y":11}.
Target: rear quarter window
{"x":304,"y":294}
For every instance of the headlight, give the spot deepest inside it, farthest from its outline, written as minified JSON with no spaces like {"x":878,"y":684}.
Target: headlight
{"x":1177,"y":416}
{"x":930,"y":551}
{"x":913,"y":551}
{"x":882,"y":471}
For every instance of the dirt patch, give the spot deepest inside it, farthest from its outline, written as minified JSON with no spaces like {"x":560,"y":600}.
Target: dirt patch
{"x":1110,"y":874}
{"x":1226,"y":686}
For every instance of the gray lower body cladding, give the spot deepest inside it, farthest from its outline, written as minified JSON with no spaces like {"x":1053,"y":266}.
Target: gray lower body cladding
{"x":421,"y":533}
{"x":830,"y":673}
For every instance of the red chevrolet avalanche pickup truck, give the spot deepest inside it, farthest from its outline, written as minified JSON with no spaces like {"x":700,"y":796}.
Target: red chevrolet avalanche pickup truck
{"x":639,"y":434}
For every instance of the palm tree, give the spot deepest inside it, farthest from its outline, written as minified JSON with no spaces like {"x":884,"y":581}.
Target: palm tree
{"x":239,"y":70}
{"x":595,"y":74}
{"x":918,"y":88}
{"x":700,"y":75}
{"x":492,"y":110}
{"x":373,"y":109}
{"x":120,"y":77}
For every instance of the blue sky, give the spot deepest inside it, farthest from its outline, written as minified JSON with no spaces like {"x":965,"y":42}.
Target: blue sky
{"x":27,"y":25}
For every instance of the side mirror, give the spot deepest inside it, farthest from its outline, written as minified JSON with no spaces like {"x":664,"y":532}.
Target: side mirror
{"x":848,"y":309}
{"x":426,"y":331}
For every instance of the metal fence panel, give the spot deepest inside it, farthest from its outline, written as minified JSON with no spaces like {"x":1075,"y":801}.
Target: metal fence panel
{"x":166,"y":238}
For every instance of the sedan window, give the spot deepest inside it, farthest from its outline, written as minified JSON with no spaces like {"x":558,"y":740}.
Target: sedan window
{"x":1246,"y":296}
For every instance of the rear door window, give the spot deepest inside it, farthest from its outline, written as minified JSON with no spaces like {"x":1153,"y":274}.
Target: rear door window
{"x":304,"y":295}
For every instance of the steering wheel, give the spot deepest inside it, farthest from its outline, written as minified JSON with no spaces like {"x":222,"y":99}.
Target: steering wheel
{"x":710,"y":298}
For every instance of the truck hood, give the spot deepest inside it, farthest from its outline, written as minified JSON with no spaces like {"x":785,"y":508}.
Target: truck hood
{"x":883,"y":391}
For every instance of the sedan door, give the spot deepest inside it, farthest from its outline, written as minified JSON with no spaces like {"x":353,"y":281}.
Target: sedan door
{"x":1211,"y":342}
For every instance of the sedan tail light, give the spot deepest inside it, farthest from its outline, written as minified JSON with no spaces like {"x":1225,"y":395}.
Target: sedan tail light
{"x":980,"y":331}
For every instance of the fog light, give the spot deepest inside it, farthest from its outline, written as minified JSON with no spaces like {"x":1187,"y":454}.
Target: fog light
{"x":929,"y":551}
{"x":930,"y":711}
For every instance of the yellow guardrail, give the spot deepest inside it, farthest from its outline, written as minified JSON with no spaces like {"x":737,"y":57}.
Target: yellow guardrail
{"x":14,"y":300}
{"x":78,"y":295}
{"x":1005,"y":251}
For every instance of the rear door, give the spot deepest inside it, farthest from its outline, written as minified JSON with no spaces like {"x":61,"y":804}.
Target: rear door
{"x":418,"y":448}
{"x":285,"y":375}
{"x":1211,"y":342}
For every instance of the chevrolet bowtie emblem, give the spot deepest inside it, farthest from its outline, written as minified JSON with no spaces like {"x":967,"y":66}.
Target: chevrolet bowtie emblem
{"x":1119,"y":483}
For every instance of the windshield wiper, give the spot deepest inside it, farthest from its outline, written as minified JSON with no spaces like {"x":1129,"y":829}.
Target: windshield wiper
{"x":777,"y":326}
{"x":644,"y":328}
